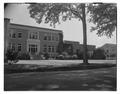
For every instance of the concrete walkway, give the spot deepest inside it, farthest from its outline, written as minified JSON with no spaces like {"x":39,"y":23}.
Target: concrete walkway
{"x":62,"y":62}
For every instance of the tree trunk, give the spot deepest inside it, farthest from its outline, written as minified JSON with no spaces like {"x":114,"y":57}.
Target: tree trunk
{"x":85,"y":60}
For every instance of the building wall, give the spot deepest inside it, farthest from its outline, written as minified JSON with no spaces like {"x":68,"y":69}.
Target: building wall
{"x":78,"y":48}
{"x":6,"y":38}
{"x":23,"y":41}
{"x":26,"y":40}
{"x":73,"y":44}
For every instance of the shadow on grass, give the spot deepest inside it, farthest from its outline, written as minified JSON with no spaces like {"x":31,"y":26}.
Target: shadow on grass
{"x":19,"y":68}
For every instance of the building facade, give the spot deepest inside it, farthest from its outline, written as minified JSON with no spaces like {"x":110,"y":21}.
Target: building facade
{"x":110,"y":51}
{"x":38,"y":41}
{"x":75,"y":47}
{"x":71,"y":46}
{"x":32,"y":40}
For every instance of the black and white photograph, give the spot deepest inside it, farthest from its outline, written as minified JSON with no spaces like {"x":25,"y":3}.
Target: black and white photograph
{"x":60,"y":46}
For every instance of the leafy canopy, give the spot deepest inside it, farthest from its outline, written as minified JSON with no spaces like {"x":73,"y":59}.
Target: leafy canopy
{"x":103,"y":15}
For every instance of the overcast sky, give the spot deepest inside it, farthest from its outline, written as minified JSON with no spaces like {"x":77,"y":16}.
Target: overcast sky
{"x":72,"y":30}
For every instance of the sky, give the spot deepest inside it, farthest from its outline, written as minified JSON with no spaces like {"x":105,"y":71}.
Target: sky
{"x":72,"y":30}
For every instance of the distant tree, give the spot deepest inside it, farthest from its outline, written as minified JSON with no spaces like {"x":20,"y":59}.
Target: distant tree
{"x":53,"y":13}
{"x":98,"y":54}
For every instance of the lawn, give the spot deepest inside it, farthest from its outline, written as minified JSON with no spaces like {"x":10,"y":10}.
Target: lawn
{"x":92,"y":79}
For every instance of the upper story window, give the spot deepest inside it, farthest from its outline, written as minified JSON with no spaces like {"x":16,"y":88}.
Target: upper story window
{"x":12,"y":34}
{"x":33,"y":35}
{"x":53,"y":37}
{"x":45,"y":37}
{"x":57,"y":38}
{"x":49,"y":37}
{"x":19,"y":35}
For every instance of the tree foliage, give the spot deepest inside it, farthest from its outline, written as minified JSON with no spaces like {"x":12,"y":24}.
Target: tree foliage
{"x":53,"y":13}
{"x":104,"y":16}
{"x":98,"y":54}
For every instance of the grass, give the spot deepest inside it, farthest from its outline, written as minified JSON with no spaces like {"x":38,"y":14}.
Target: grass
{"x":102,"y":79}
{"x":19,"y":68}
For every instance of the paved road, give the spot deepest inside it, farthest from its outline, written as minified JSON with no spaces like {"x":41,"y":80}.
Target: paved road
{"x":94,"y":79}
{"x":62,"y":62}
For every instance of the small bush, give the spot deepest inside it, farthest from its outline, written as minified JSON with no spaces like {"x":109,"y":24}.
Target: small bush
{"x":98,"y":54}
{"x":23,"y":56}
{"x":60,"y":57}
{"x":11,"y":55}
{"x":46,"y":55}
{"x":74,"y":57}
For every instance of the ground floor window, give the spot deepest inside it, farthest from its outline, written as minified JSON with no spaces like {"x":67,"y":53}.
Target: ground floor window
{"x":12,"y":46}
{"x":45,"y":48}
{"x":19,"y":47}
{"x":33,"y":48}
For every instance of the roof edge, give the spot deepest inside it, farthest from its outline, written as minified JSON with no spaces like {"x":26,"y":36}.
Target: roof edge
{"x":36,"y":27}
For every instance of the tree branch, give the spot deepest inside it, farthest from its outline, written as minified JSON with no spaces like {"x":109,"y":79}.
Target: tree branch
{"x":76,"y":13}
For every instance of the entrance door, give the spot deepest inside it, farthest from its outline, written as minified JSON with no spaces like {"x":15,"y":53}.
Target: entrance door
{"x":33,"y":48}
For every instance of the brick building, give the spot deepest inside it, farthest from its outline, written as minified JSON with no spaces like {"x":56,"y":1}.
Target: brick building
{"x":75,"y":47}
{"x":71,"y":46}
{"x":32,"y":40}
{"x":37,"y":41}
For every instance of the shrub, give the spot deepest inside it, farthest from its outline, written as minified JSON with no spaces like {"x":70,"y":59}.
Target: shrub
{"x":80,"y":55}
{"x":67,"y":57}
{"x":74,"y":56}
{"x":61,"y":57}
{"x":11,"y":55}
{"x":98,"y":54}
{"x":46,"y":55}
{"x":23,"y":56}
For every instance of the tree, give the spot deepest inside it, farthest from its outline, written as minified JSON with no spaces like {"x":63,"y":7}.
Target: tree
{"x":104,"y":16}
{"x":54,"y":13}
{"x":98,"y":54}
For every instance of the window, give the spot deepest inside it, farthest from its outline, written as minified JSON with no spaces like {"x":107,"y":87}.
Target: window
{"x":10,"y":35}
{"x":53,"y":49}
{"x":52,"y":37}
{"x":57,"y":38}
{"x":49,"y":48}
{"x":32,"y":48}
{"x":45,"y":37}
{"x":12,"y":46}
{"x":45,"y":48}
{"x":19,"y":47}
{"x":13,"y":35}
{"x":19,"y":35}
{"x":33,"y":35}
{"x":49,"y":37}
